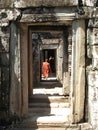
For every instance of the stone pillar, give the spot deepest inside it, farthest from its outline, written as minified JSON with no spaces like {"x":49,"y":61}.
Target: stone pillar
{"x":24,"y":68}
{"x":78,"y":71}
{"x":59,"y":63}
{"x":67,"y":53}
{"x":15,"y":72}
{"x":30,"y":75}
{"x":4,"y":71}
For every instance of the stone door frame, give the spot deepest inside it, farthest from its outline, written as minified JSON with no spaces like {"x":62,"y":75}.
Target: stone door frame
{"x":77,"y":93}
{"x":57,"y":45}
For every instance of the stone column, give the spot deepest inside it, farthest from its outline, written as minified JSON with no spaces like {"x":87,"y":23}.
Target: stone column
{"x":30,"y":75}
{"x":24,"y":68}
{"x":78,"y":71}
{"x":60,"y":61}
{"x":15,"y":72}
{"x":67,"y":61}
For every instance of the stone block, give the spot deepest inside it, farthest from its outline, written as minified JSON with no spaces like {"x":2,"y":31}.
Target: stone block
{"x":91,"y":78}
{"x":36,"y":3}
{"x":48,"y":3}
{"x":73,"y":127}
{"x":5,"y":74}
{"x":89,"y":2}
{"x":7,"y":15}
{"x":4,"y":47}
{"x":4,"y":58}
{"x":95,"y":51}
{"x":6,"y":3}
{"x":5,"y":87}
{"x":86,"y":126}
{"x":95,"y":63}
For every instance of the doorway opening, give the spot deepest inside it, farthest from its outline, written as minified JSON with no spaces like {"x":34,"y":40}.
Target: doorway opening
{"x":51,"y":42}
{"x":50,"y":55}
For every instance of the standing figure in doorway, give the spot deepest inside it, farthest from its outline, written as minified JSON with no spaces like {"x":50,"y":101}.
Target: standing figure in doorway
{"x":51,"y":61}
{"x":46,"y":69}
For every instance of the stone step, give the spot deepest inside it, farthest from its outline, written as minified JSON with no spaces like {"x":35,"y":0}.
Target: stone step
{"x":39,"y":118}
{"x":48,"y":98}
{"x":49,"y":111}
{"x":44,"y":121}
{"x":51,"y":128}
{"x":50,"y":84}
{"x":49,"y":105}
{"x":48,"y":91}
{"x":47,"y":128}
{"x":67,"y":126}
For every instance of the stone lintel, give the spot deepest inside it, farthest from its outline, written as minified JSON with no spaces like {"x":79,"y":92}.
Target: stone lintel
{"x":56,"y":14}
{"x":49,"y":46}
{"x":47,"y":17}
{"x":47,"y":3}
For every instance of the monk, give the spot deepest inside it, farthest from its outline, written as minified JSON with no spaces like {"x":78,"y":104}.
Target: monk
{"x":45,"y":69}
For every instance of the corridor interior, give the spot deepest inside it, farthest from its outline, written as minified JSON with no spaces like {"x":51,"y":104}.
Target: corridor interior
{"x":48,"y":106}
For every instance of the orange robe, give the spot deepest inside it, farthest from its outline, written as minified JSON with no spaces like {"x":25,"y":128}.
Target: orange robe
{"x":45,"y":69}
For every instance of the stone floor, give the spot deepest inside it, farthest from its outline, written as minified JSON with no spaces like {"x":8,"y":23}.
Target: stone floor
{"x":48,"y":110}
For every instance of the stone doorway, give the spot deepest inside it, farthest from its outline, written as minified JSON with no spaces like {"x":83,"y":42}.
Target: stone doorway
{"x":49,"y":42}
{"x":49,"y":54}
{"x":45,"y":43}
{"x":71,"y":35}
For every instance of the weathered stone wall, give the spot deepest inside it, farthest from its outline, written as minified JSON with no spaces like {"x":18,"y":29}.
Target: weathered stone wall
{"x":9,"y":12}
{"x":37,"y":3}
{"x":92,"y":72}
{"x":93,"y":98}
{"x":6,"y":3}
{"x":4,"y":71}
{"x":48,"y":3}
{"x":6,"y":15}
